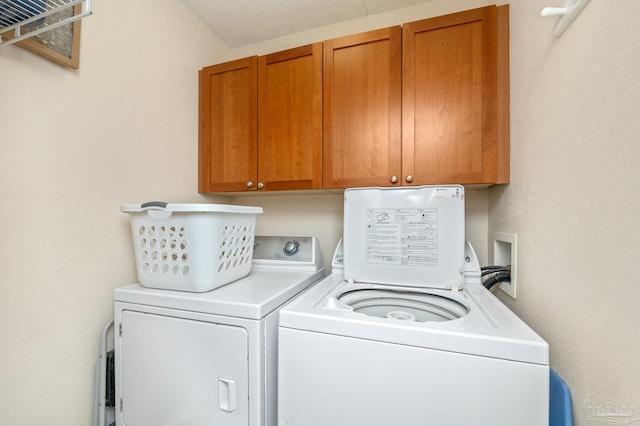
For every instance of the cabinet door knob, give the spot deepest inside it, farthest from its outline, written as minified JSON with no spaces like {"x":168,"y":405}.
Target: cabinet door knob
{"x":249,"y":184}
{"x":394,"y":179}
{"x":260,"y":185}
{"x":409,"y":178}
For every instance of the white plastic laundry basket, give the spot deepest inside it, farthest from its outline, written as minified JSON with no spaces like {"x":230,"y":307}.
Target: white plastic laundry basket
{"x":191,"y":247}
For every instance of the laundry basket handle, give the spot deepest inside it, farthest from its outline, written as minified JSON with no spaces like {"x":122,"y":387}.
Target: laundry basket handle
{"x":149,"y":204}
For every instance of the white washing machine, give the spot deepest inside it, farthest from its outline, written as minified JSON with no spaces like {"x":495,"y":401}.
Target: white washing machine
{"x":406,"y":334}
{"x":193,"y":359}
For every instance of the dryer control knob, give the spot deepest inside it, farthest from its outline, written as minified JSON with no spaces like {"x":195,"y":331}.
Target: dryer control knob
{"x":291,"y":247}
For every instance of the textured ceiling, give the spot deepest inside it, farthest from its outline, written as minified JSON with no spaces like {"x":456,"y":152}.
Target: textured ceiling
{"x":241,"y":22}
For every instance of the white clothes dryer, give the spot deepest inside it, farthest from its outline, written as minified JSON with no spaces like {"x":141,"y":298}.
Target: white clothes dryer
{"x":405,"y":333}
{"x":194,"y":359}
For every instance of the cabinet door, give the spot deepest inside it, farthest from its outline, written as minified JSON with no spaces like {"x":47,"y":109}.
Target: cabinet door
{"x":228,"y":126}
{"x":182,"y":372}
{"x":290,"y":119}
{"x":362,"y":101}
{"x":455,"y":99}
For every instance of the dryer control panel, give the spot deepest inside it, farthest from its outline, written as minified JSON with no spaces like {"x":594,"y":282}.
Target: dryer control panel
{"x":285,"y":251}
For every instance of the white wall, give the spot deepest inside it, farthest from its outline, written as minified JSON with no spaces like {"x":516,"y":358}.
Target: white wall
{"x":573,"y":200}
{"x":74,"y":146}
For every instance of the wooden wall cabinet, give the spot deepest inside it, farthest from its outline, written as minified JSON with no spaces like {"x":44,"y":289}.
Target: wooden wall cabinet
{"x":362,"y":109}
{"x":422,"y":103}
{"x":261,"y":122}
{"x":228,"y":120}
{"x":290,"y":119}
{"x":442,"y":117}
{"x":455,"y":98}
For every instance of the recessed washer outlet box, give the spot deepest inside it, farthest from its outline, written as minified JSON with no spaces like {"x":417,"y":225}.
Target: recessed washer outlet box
{"x":505,"y":254}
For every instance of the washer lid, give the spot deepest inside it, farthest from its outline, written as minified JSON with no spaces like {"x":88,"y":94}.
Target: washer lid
{"x":410,"y":236}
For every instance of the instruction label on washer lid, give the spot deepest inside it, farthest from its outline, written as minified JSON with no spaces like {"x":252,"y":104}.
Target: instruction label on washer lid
{"x":402,"y":236}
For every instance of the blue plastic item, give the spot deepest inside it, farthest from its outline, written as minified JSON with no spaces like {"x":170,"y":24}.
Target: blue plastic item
{"x":560,"y":413}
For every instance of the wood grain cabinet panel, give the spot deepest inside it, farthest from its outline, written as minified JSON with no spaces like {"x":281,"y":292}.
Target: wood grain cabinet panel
{"x":290,"y":119}
{"x":362,"y":89}
{"x":455,"y":99}
{"x":228,"y":126}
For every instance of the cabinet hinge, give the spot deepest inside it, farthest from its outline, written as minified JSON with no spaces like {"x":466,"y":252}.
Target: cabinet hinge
{"x":121,"y":404}
{"x":120,"y":329}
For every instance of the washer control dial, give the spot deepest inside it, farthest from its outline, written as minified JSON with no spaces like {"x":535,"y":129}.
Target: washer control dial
{"x":291,"y":247}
